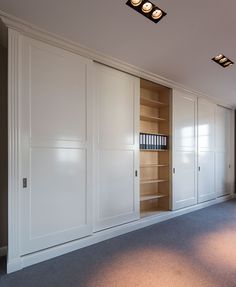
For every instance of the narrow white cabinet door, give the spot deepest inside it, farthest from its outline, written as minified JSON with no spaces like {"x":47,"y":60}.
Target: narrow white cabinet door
{"x":206,"y":150}
{"x":117,"y":119}
{"x":184,"y":150}
{"x":55,"y":146}
{"x":230,"y":151}
{"x":222,"y":151}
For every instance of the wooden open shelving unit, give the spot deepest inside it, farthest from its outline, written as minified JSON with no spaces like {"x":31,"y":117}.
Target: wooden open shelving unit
{"x":155,"y":176}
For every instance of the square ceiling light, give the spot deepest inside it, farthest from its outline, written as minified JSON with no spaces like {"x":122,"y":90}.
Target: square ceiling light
{"x":147,"y":9}
{"x":222,"y":61}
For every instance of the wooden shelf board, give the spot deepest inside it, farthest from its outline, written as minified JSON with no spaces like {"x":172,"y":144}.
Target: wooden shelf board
{"x":153,"y":181}
{"x":152,"y":119}
{"x":152,"y":103}
{"x":151,"y":197}
{"x":153,"y":165}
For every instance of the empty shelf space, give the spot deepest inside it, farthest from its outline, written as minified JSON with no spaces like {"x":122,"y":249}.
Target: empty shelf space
{"x":153,"y":165}
{"x":146,"y":181}
{"x":151,"y":197}
{"x":151,"y":119}
{"x":152,"y":103}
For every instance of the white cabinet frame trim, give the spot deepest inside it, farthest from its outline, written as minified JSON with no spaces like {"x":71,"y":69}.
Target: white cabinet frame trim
{"x":13,"y":153}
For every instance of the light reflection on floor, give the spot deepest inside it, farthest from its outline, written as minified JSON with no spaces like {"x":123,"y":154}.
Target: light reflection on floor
{"x":151,"y":268}
{"x":218,"y":248}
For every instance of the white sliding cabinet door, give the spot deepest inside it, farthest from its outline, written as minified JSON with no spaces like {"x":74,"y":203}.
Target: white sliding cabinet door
{"x":184,"y":150}
{"x":230,"y":187}
{"x":55,"y":146}
{"x":117,"y":119}
{"x":206,"y":150}
{"x":222,"y":154}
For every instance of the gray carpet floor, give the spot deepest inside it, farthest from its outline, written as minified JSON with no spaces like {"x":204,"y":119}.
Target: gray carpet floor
{"x":197,"y":249}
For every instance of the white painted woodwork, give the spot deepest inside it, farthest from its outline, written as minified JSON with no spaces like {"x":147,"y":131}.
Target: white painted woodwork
{"x":16,"y":157}
{"x":55,"y":146}
{"x":222,"y":154}
{"x":13,"y":256}
{"x":116,"y":147}
{"x":184,"y":150}
{"x":206,"y":150}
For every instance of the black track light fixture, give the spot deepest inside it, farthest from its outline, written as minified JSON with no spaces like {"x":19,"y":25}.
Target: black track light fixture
{"x":147,"y":9}
{"x":222,"y":61}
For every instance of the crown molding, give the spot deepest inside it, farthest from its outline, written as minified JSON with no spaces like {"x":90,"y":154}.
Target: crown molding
{"x":37,"y":33}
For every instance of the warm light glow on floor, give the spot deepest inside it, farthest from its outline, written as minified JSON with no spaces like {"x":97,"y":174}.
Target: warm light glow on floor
{"x":151,"y":267}
{"x":218,"y":249}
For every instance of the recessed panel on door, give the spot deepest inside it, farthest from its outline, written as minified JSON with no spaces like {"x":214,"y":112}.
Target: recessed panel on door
{"x":116,"y":185}
{"x":58,"y":95}
{"x":221,"y":168}
{"x":206,"y":184}
{"x":184,"y":181}
{"x":116,"y":108}
{"x":58,"y":190}
{"x":55,"y":136}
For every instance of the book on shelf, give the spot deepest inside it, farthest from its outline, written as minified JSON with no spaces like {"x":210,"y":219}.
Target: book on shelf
{"x":153,"y":141}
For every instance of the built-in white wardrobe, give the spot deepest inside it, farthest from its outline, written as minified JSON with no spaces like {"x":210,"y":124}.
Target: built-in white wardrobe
{"x":74,"y":155}
{"x":201,"y":148}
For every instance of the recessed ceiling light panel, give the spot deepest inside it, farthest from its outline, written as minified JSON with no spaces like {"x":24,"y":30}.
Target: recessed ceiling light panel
{"x":148,"y":9}
{"x":222,"y":61}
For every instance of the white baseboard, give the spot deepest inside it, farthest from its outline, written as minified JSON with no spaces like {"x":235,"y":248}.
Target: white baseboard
{"x":3,"y":251}
{"x":14,"y":265}
{"x":59,"y":250}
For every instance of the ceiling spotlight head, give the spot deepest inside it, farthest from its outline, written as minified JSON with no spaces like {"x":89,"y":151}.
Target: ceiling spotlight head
{"x":156,"y":14}
{"x":136,"y":2}
{"x":220,"y":56}
{"x":147,"y":7}
{"x":227,"y":63}
{"x":223,"y":60}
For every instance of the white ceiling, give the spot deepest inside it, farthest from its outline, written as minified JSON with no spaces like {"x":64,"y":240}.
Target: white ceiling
{"x":179,"y":48}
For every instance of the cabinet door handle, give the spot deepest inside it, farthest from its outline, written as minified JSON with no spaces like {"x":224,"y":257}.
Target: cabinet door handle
{"x":174,"y":170}
{"x":199,"y":168}
{"x":24,"y":182}
{"x":136,"y":173}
